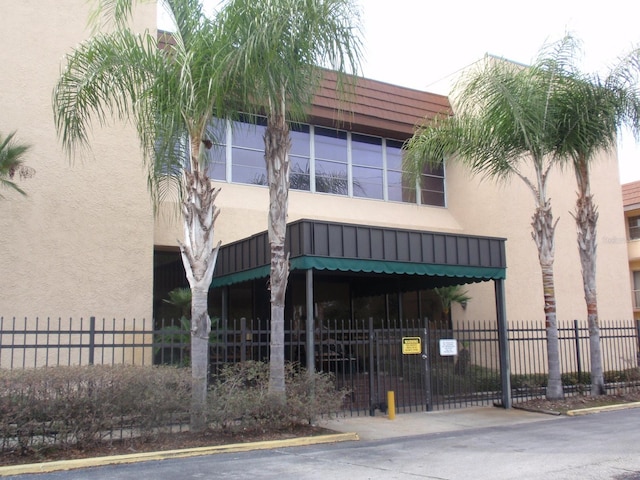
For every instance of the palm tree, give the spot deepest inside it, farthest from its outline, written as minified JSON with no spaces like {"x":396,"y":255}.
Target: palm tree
{"x":170,"y":95}
{"x":592,"y":110}
{"x":500,"y":129}
{"x":448,"y":295}
{"x":11,"y":162}
{"x":275,"y":50}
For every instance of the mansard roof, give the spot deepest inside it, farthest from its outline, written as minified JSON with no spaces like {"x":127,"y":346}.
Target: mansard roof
{"x":631,"y":194}
{"x":373,"y":107}
{"x":376,"y":107}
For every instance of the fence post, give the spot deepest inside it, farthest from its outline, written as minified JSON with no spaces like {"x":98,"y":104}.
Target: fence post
{"x":578,"y":353}
{"x":372,"y":400}
{"x":309,"y":328}
{"x":638,"y":338}
{"x":427,"y":366}
{"x":92,"y":339}
{"x":243,"y":339}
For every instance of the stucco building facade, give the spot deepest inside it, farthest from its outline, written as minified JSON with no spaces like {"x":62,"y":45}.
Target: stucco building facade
{"x":84,"y":240}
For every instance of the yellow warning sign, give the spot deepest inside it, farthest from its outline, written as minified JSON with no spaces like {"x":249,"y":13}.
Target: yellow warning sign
{"x":411,"y":345}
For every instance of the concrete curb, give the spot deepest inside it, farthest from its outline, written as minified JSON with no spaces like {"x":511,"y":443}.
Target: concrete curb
{"x":604,"y":408}
{"x":62,"y":465}
{"x":536,"y":410}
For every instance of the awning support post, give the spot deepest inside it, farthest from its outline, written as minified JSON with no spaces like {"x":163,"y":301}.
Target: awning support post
{"x":309,"y":326}
{"x":503,"y":343}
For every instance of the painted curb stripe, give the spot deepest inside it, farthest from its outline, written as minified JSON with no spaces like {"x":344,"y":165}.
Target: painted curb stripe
{"x":604,"y":408}
{"x":47,"y":467}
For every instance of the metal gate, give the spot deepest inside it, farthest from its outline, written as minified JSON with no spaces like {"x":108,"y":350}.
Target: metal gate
{"x":438,"y":369}
{"x":426,"y":369}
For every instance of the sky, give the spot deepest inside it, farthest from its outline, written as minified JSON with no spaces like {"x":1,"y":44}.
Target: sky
{"x":420,"y":43}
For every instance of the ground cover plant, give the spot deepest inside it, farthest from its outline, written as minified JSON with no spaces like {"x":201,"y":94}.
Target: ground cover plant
{"x":70,"y":407}
{"x":76,"y":412}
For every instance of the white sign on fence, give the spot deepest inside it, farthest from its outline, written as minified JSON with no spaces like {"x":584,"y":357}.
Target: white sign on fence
{"x":448,"y":347}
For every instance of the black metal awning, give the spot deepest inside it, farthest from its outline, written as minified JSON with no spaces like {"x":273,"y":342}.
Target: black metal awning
{"x":321,"y":245}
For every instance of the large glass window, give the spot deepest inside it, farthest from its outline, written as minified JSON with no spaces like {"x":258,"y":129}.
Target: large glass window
{"x":248,"y":165}
{"x":432,"y":186}
{"x":324,"y":160}
{"x":636,"y":290}
{"x":331,"y":161}
{"x":634,"y":227}
{"x":299,"y":158}
{"x":217,"y":154}
{"x":401,"y":187}
{"x":366,"y":159}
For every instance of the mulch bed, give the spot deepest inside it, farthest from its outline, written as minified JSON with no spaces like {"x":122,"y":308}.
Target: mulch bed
{"x":577,"y":402}
{"x":174,"y":441}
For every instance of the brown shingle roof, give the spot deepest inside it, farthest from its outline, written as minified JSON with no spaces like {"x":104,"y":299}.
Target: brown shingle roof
{"x":631,"y":193}
{"x":374,"y":107}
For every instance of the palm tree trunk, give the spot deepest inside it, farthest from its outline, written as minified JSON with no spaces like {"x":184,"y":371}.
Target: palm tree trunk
{"x":200,"y":328}
{"x":199,"y":259}
{"x":543,"y":235}
{"x":586,"y":220}
{"x":277,"y":146}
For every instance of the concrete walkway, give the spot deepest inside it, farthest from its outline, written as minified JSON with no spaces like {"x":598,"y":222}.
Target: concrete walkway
{"x":419,"y":423}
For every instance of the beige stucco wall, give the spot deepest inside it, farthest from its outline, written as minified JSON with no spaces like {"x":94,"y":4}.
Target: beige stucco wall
{"x":243,"y":212}
{"x":81,"y":243}
{"x":485,"y":207}
{"x":475,"y":207}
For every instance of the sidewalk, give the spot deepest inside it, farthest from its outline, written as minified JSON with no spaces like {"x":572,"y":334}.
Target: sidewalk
{"x":407,"y":424}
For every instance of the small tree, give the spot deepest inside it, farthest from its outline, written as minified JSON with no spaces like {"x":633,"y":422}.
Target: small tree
{"x":12,"y":163}
{"x":275,"y":49}
{"x":591,"y":112}
{"x":549,"y":113}
{"x":170,"y":95}
{"x":449,"y":295}
{"x":502,"y":126}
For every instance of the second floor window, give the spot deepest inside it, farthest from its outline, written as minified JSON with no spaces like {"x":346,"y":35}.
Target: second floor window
{"x":324,"y":160}
{"x":634,"y":227}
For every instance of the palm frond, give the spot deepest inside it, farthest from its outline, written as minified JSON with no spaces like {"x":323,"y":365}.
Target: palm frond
{"x":109,"y":76}
{"x":284,"y":43}
{"x":170,"y":95}
{"x":11,"y":162}
{"x":451,"y":294}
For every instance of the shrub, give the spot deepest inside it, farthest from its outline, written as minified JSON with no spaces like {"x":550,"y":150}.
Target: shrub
{"x":531,"y":381}
{"x":67,"y":406}
{"x":630,"y":375}
{"x":239,"y":398}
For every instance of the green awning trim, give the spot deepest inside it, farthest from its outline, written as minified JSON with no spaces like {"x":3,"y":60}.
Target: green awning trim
{"x":368,"y":266}
{"x":239,"y":277}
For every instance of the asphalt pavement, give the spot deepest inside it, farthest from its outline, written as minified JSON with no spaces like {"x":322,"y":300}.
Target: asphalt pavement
{"x":479,"y":443}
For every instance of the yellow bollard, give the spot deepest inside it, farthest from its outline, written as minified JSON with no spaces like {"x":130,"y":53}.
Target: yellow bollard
{"x":391,"y":405}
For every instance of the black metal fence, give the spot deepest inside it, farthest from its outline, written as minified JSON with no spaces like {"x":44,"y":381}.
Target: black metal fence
{"x":426,"y":368}
{"x":43,"y":342}
{"x":620,"y":345}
